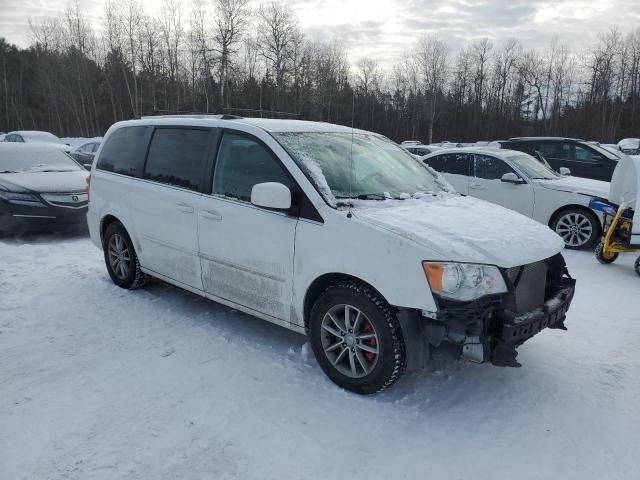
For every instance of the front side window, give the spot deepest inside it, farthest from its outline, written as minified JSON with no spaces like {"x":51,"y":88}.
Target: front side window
{"x":177,"y":156}
{"x":242,"y":163}
{"x":124,"y":150}
{"x":359,"y":165}
{"x":491,"y":168}
{"x":583,"y":155}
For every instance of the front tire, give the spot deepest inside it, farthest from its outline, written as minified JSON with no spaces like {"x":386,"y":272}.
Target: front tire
{"x":603,"y":258}
{"x":636,"y":266}
{"x":121,"y":259}
{"x":578,"y":228}
{"x":356,"y":338}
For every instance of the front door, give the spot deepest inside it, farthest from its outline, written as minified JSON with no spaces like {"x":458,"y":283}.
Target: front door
{"x":487,"y":185}
{"x":246,"y":251}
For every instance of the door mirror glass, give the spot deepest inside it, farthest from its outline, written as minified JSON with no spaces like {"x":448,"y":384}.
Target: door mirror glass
{"x":564,"y":171}
{"x":271,"y":195}
{"x":511,"y":178}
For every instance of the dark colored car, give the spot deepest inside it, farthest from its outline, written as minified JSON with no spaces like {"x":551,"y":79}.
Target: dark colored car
{"x":40,"y":187}
{"x":85,"y":153}
{"x":582,"y":158}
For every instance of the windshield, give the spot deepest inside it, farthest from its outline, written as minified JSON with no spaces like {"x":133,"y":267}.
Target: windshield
{"x":531,"y":167}
{"x":361,"y":165}
{"x":602,"y":151}
{"x":21,"y":158}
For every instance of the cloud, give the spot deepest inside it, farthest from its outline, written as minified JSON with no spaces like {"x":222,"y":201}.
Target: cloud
{"x":384,"y":29}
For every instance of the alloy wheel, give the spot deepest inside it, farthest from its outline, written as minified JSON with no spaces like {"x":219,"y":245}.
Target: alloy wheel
{"x":575,"y":229}
{"x":119,"y":256}
{"x":349,"y":341}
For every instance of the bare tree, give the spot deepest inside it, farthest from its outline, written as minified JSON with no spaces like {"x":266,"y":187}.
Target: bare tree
{"x":432,"y":56}
{"x":277,"y":30}
{"x":232,"y":18}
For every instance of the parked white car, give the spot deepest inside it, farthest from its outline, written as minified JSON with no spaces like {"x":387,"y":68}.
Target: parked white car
{"x":332,"y":232}
{"x":520,"y":182}
{"x":630,"y":146}
{"x":35,"y":136}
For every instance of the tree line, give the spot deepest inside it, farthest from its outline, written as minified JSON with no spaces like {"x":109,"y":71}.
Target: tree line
{"x":224,"y":57}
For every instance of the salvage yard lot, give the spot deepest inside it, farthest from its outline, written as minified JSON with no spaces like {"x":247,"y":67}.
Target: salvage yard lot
{"x":97,"y":382}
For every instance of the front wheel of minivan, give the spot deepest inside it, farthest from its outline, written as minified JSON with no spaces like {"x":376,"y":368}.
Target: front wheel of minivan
{"x":121,"y":259}
{"x":356,"y":338}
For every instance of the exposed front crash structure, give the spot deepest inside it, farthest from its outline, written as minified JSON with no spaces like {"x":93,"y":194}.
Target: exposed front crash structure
{"x":491,"y":328}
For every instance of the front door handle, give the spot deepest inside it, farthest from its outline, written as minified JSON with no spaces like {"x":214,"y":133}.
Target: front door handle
{"x":211,"y":215}
{"x":184,"y":208}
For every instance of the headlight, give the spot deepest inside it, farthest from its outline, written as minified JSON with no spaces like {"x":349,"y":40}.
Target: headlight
{"x":463,"y":281}
{"x":20,"y":197}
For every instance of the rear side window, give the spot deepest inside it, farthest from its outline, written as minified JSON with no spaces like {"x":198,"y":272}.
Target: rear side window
{"x":123,"y":151}
{"x":491,"y":168}
{"x":243,"y":163}
{"x":455,"y":163}
{"x":178,"y":156}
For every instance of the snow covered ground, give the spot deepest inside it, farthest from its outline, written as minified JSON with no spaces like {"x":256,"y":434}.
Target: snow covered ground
{"x":100,"y":383}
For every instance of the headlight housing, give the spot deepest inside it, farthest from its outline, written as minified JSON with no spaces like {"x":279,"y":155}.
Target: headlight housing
{"x":19,"y":197}
{"x":463,"y":281}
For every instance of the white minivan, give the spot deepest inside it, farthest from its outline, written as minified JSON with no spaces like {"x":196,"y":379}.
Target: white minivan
{"x":335,"y":233}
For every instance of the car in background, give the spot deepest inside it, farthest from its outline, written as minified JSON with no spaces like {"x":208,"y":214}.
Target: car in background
{"x":35,"y":136}
{"x":40,"y":187}
{"x":420,"y":150}
{"x":2,"y":135}
{"x":372,"y":258}
{"x":520,"y":182}
{"x":581,"y":158}
{"x":85,"y":153}
{"x":630,"y":146}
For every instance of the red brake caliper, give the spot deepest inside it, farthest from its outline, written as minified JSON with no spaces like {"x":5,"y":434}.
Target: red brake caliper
{"x":371,"y":342}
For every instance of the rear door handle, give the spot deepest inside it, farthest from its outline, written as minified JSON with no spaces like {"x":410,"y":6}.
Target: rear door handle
{"x":183,"y":207}
{"x":211,"y":215}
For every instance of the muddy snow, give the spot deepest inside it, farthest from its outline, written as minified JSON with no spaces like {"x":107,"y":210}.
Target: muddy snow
{"x":101,"y":383}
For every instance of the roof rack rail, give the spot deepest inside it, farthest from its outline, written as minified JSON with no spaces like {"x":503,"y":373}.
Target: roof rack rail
{"x":186,"y":114}
{"x":261,"y":112}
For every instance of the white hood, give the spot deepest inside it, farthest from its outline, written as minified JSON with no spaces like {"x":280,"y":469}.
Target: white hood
{"x":465,"y":229}
{"x":75,"y":181}
{"x":586,"y":186}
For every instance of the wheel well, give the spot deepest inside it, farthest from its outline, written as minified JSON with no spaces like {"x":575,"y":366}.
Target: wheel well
{"x":323,"y":282}
{"x":104,"y":224}
{"x":573,"y":207}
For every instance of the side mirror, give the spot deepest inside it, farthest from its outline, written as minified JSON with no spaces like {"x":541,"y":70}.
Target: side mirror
{"x":271,"y":195}
{"x":511,"y":178}
{"x":564,"y":171}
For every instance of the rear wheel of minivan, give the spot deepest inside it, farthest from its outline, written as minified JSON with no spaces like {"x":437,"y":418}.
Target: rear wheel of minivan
{"x":356,"y":338}
{"x":121,"y":259}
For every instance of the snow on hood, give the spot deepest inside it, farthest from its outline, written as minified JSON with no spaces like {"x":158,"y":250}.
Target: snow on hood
{"x":465,"y":229}
{"x":74,"y":181}
{"x":586,"y":186}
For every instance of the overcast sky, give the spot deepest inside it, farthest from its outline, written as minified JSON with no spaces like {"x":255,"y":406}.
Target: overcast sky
{"x":385,"y":28}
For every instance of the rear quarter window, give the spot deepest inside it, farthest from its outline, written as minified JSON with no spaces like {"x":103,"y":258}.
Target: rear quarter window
{"x":124,"y":151}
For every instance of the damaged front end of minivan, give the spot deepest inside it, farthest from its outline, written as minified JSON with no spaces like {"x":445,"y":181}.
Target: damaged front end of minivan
{"x":491,"y":328}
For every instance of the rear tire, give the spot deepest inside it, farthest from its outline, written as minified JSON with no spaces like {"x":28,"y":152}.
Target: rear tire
{"x":356,"y":338}
{"x":578,"y":227}
{"x":636,"y":266}
{"x":602,"y":258}
{"x":121,"y":259}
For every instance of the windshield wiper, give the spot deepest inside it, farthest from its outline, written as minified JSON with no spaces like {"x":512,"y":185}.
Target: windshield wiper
{"x":367,"y":196}
{"x":8,"y":171}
